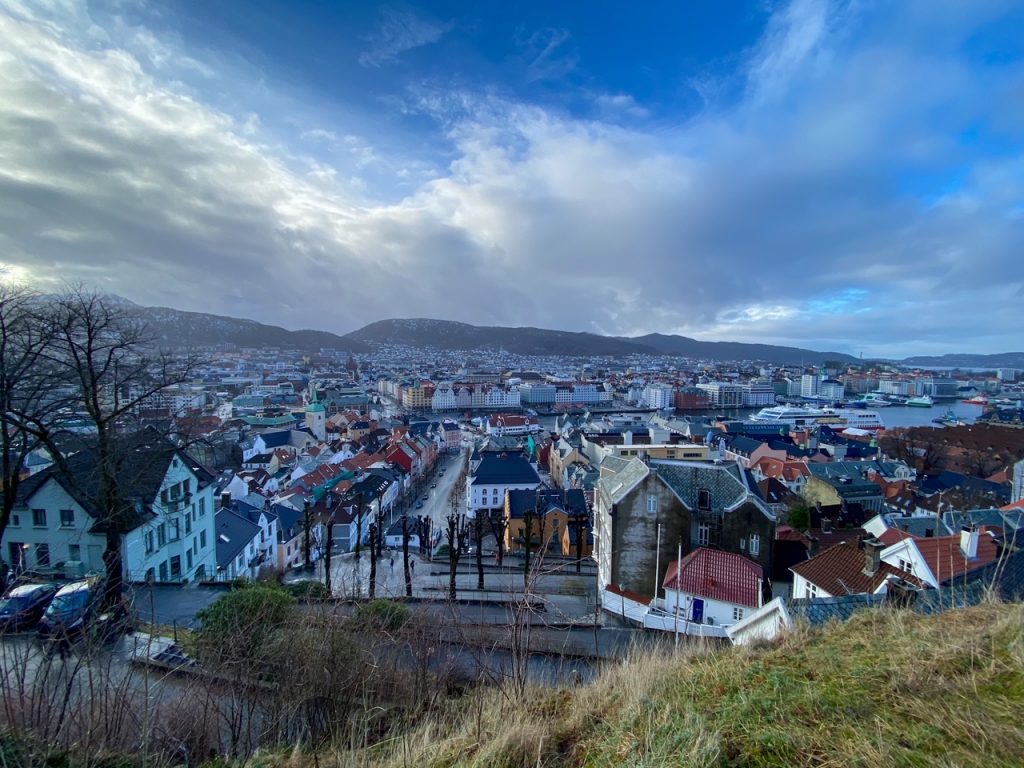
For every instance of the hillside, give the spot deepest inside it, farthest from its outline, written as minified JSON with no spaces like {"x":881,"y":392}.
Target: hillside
{"x":175,"y":328}
{"x":683,"y":346}
{"x":968,"y":360}
{"x":886,"y":688}
{"x":445,"y":334}
{"x":448,"y":335}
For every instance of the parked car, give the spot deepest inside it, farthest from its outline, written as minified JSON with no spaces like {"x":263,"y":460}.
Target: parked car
{"x":77,"y":608}
{"x":22,"y":607}
{"x":419,"y":505}
{"x":433,"y":485}
{"x":424,"y":497}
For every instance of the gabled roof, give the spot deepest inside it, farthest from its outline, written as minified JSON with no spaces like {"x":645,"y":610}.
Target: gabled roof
{"x":725,"y":483}
{"x":504,"y":469}
{"x":572,"y":502}
{"x":839,"y":570}
{"x":618,"y":484}
{"x":947,"y":561}
{"x":233,"y":533}
{"x":717,"y":575}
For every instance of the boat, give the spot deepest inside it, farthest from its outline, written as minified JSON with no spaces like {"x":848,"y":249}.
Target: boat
{"x":976,"y":400}
{"x":840,"y":418}
{"x":875,"y":400}
{"x":923,"y":401}
{"x":949,"y":419}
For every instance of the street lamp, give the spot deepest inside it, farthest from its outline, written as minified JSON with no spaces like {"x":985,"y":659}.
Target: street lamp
{"x":622,"y":594}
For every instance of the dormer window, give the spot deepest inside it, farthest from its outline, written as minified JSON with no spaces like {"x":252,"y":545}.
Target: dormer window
{"x":704,"y":500}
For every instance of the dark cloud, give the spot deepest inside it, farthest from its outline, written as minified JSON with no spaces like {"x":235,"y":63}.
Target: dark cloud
{"x":837,"y":203}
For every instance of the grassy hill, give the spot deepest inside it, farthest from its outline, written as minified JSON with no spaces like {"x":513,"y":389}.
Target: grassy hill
{"x":886,"y":688}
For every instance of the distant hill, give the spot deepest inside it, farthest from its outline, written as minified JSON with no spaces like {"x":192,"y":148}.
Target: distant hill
{"x":683,"y":346}
{"x":445,"y":334}
{"x":175,"y":328}
{"x":967,"y":360}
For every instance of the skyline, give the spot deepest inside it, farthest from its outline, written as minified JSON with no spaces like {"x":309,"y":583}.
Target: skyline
{"x":828,"y":175}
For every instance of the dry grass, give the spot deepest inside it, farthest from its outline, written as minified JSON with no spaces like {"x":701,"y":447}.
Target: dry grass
{"x":887,"y":688}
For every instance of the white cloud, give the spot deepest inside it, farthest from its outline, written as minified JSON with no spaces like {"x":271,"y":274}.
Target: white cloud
{"x":399,"y":31}
{"x":748,"y":222}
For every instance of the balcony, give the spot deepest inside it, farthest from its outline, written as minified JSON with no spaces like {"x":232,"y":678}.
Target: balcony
{"x":178,"y":503}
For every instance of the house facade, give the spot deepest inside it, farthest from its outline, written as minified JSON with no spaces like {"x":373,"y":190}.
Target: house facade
{"x":53,"y":525}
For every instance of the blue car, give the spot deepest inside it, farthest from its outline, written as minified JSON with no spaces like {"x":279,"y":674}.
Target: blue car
{"x":22,"y":607}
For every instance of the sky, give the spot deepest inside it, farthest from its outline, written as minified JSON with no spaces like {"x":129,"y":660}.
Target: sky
{"x":843,"y":176}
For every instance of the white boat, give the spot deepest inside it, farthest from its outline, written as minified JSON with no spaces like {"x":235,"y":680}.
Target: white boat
{"x":811,"y":417}
{"x":875,"y":400}
{"x":924,"y":401}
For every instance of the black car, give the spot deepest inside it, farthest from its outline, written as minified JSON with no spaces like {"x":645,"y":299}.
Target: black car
{"x":73,"y":608}
{"x":22,"y":607}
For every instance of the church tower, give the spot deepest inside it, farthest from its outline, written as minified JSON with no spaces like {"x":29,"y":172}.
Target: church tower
{"x":316,"y":418}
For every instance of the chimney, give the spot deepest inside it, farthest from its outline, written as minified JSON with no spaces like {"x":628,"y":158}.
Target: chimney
{"x":627,"y":437}
{"x":812,"y":546}
{"x":969,"y":542}
{"x":826,"y":525}
{"x":872,"y":556}
{"x":225,"y":499}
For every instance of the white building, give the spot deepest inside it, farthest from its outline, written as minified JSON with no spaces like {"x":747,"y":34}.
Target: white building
{"x":723,"y":394}
{"x":758,"y":394}
{"x":52,"y":525}
{"x":711,"y":586}
{"x":495,"y":474}
{"x":659,"y":396}
{"x":809,"y":384}
{"x":444,"y":398}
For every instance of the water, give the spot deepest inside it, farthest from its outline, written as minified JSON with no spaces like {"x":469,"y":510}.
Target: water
{"x":892,"y":417}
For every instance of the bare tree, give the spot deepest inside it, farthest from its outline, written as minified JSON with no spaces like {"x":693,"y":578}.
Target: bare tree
{"x":405,"y":556}
{"x":456,"y":533}
{"x":478,"y":542}
{"x":498,"y":526}
{"x":107,"y":357}
{"x":307,"y":536}
{"x":27,"y":393}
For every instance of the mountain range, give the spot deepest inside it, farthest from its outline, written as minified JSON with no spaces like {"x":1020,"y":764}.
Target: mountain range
{"x":177,"y":328}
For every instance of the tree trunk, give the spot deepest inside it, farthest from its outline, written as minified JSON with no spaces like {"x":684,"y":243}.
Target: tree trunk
{"x":580,"y":530}
{"x":405,"y":557}
{"x":478,"y":533}
{"x":373,"y":560}
{"x":328,"y":551}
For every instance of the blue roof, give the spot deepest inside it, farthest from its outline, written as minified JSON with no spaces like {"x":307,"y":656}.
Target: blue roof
{"x":233,"y":533}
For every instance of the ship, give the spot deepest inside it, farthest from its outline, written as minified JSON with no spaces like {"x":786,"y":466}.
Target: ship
{"x":976,"y":400}
{"x":924,"y":401}
{"x":949,"y":419}
{"x":875,"y":400}
{"x":839,"y":418}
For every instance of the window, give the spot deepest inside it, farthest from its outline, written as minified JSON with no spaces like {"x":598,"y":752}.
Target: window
{"x":188,"y":525}
{"x":202,"y":539}
{"x":704,"y":499}
{"x":737,"y":613}
{"x":906,"y":565}
{"x":175,"y":529}
{"x":810,"y":590}
{"x":15,"y":519}
{"x":43,"y":555}
{"x":163,"y":571}
{"x":202,"y":507}
{"x":188,"y":558}
{"x":148,"y":537}
{"x":755,"y":545}
{"x":652,"y":503}
{"x":703,"y":535}
{"x":74,"y":552}
{"x":39,"y":518}
{"x":161,"y":535}
{"x":176,"y":567}
{"x":67,"y":518}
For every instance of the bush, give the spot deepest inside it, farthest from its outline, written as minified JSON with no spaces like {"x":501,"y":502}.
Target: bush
{"x":241,"y":624}
{"x":383,"y":614}
{"x":307,"y":590}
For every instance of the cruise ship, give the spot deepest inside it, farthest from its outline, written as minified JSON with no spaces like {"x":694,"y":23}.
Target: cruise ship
{"x":841,"y":418}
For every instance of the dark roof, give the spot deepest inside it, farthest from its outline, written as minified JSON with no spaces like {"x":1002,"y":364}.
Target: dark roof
{"x":233,"y":533}
{"x":289,"y":520}
{"x":504,"y":469}
{"x":744,"y":445}
{"x":142,"y":460}
{"x":573,"y":501}
{"x":276,"y":439}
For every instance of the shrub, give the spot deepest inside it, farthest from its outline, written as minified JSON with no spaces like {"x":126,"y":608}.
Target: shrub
{"x":307,"y":590}
{"x":383,"y":614}
{"x":241,"y":624}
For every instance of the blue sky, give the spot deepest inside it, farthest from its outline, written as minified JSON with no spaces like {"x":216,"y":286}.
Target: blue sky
{"x":837,"y":175}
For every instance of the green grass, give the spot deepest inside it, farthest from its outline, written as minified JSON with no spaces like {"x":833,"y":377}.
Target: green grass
{"x":885,"y":689}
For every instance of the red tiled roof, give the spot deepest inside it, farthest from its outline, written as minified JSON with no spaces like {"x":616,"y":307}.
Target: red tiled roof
{"x":717,"y":575}
{"x":1013,"y":505}
{"x":839,"y":570}
{"x":946,"y":559}
{"x":893,"y":535}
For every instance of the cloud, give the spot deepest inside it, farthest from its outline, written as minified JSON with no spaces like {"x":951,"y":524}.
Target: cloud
{"x":803,"y":213}
{"x":399,"y":31}
{"x":544,"y":54}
